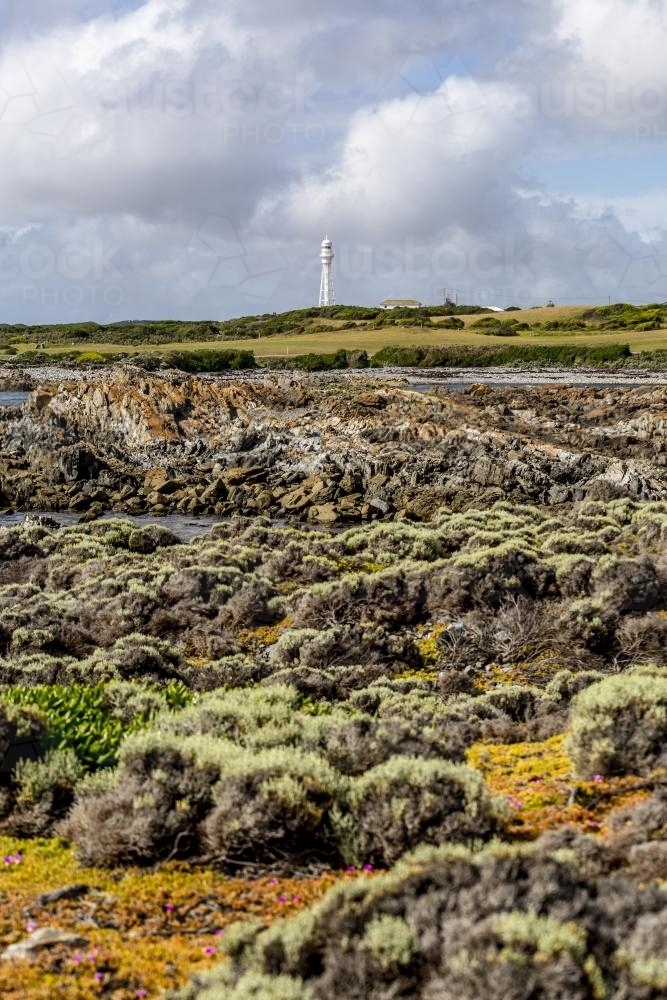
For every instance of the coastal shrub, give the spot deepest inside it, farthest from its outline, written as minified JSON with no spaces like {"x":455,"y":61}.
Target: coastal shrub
{"x":320,"y":362}
{"x":136,"y":657}
{"x":343,"y":645}
{"x":518,"y":955}
{"x":619,"y":725}
{"x":358,"y":744}
{"x":16,"y":725}
{"x":151,"y":538}
{"x":153,"y":811}
{"x":251,"y":986}
{"x":450,"y":323}
{"x":210,"y":361}
{"x":248,"y":717}
{"x":405,"y":802}
{"x":272,"y":804}
{"x":489,"y":322}
{"x":47,"y":785}
{"x":590,"y":623}
{"x":561,"y":356}
{"x":397,"y":357}
{"x":628,"y":584}
{"x":90,"y":357}
{"x":445,"y":924}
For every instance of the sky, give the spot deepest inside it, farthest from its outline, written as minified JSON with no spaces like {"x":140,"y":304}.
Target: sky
{"x":184,"y":159}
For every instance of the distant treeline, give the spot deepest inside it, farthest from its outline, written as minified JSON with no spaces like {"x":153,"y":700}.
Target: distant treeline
{"x":314,"y":320}
{"x":527,"y":355}
{"x":241,"y":328}
{"x":332,"y":319}
{"x":564,"y":355}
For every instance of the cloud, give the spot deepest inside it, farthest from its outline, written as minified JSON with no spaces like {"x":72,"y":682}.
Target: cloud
{"x":402,"y":132}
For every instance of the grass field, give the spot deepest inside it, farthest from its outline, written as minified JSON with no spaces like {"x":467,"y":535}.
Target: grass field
{"x":361,"y":337}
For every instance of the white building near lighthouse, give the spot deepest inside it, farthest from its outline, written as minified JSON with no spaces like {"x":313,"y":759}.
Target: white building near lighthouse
{"x":326,"y":285}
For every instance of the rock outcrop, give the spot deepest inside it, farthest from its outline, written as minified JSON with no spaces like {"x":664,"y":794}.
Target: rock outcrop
{"x":325,"y":451}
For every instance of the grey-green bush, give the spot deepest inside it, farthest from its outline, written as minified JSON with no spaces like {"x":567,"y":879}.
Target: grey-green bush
{"x":407,"y":801}
{"x":619,"y":725}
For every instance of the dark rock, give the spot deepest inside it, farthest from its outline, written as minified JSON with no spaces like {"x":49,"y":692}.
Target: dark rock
{"x":76,"y":891}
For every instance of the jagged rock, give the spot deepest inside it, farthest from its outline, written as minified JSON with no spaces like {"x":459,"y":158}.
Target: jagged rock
{"x":216,"y":491}
{"x":373,"y":400}
{"x":295,"y":500}
{"x":168,"y":487}
{"x":283,"y":444}
{"x":325,"y":514}
{"x":236,"y":476}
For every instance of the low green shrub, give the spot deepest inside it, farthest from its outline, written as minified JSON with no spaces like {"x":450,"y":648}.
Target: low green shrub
{"x":272,"y":804}
{"x":210,"y":361}
{"x":505,"y":923}
{"x":56,"y":774}
{"x":320,"y":362}
{"x":406,"y":802}
{"x":162,"y":793}
{"x":93,"y":721}
{"x":619,"y":725}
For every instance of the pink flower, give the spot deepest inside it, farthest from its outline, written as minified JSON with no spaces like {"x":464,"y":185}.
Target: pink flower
{"x":209,"y":951}
{"x":76,"y":959}
{"x":169,"y":907}
{"x":141,"y":994}
{"x":351,"y":868}
{"x":296,"y":899}
{"x":369,"y":868}
{"x":99,"y":977}
{"x":598,"y":777}
{"x":273,"y":881}
{"x":219,"y":933}
{"x":31,"y":926}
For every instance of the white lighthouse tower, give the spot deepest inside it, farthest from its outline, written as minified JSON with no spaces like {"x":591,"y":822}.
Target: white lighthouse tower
{"x":326,"y":285}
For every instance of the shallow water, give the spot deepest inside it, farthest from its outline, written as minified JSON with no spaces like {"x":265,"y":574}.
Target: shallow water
{"x":14,"y":398}
{"x":426,"y":386}
{"x":182,"y":526}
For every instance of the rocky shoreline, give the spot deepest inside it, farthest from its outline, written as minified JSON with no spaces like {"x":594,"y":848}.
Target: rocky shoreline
{"x":32,"y":377}
{"x":324,"y":450}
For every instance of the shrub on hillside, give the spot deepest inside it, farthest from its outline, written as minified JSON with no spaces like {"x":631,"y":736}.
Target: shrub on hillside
{"x":44,"y":791}
{"x":271,"y":804}
{"x":360,"y":743}
{"x":406,"y":802}
{"x":628,"y":584}
{"x":446,"y":924}
{"x":210,"y":361}
{"x":342,"y":645}
{"x":153,"y":811}
{"x":619,"y":725}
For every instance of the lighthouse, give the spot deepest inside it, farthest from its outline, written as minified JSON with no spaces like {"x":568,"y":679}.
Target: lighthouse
{"x":326,"y":285}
